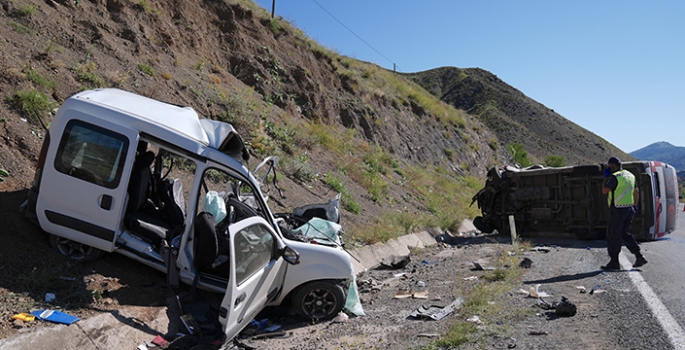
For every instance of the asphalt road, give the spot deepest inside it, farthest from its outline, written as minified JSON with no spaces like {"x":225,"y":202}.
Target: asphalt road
{"x":665,"y":272}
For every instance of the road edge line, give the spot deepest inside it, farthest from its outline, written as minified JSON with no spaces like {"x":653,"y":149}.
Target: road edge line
{"x":675,"y":333}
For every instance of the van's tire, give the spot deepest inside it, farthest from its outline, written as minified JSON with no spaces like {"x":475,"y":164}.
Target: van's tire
{"x":586,"y":169}
{"x":318,"y":300}
{"x":74,"y":250}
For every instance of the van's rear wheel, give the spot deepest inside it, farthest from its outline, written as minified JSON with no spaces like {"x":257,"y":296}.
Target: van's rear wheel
{"x":318,"y":301}
{"x":74,"y":250}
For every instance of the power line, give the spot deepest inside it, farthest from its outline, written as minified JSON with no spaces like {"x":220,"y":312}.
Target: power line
{"x":355,"y":34}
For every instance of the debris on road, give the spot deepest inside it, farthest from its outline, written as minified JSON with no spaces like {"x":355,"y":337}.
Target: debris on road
{"x":340,"y":318}
{"x":24,"y":317}
{"x":561,"y":308}
{"x":479,"y":267}
{"x":475,"y":319}
{"x":396,"y":262}
{"x":55,"y":316}
{"x":526,"y":263}
{"x":534,"y":292}
{"x":435,"y":312}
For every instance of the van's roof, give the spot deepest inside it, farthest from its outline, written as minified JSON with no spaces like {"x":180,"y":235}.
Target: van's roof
{"x":182,"y":120}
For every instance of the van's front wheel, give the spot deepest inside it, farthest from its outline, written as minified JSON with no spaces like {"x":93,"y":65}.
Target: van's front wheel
{"x":319,"y":300}
{"x":74,"y":250}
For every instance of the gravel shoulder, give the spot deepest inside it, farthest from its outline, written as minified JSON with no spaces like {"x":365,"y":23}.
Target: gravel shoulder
{"x":613,"y":317}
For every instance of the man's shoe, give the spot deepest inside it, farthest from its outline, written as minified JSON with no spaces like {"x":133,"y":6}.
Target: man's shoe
{"x":640,"y":261}
{"x":612,"y":265}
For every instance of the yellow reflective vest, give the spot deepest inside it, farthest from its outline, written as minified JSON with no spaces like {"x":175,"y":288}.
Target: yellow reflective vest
{"x":624,"y":190}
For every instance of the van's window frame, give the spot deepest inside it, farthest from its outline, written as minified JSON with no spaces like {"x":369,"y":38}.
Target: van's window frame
{"x":109,"y":179}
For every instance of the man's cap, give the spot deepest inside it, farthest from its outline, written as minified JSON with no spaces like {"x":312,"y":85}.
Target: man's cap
{"x":614,"y":160}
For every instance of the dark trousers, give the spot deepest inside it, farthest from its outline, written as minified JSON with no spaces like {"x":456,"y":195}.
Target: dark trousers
{"x":618,"y":231}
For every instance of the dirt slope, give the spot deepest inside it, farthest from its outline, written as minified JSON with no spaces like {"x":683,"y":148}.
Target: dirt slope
{"x":514,"y":117}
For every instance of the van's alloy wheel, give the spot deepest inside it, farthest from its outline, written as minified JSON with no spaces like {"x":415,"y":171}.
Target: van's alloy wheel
{"x":74,"y":250}
{"x":318,"y":301}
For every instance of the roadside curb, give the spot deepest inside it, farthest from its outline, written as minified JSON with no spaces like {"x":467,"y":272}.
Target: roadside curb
{"x":369,"y":257}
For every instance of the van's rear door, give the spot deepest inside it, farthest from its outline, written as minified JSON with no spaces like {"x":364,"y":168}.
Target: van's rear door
{"x":256,"y":276}
{"x":83,"y":190}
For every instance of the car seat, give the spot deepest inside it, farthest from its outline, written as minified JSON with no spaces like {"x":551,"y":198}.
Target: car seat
{"x":210,"y":249}
{"x":141,"y":217}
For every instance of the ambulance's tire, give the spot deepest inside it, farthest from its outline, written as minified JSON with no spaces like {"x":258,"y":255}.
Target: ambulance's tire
{"x":483,"y":225}
{"x":74,"y":250}
{"x":319,"y":300}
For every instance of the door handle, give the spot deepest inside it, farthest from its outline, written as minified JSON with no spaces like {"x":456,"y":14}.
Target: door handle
{"x":239,"y":300}
{"x":106,"y":202}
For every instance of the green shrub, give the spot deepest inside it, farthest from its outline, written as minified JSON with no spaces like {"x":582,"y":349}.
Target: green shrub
{"x":27,"y":9}
{"x":147,"y":69}
{"x":555,"y":161}
{"x":39,"y":79}
{"x":32,"y":101}
{"x":519,"y":154}
{"x":21,"y":29}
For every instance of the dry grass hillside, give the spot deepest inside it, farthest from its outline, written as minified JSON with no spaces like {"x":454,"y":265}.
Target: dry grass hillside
{"x":514,"y":117}
{"x":395,"y":152}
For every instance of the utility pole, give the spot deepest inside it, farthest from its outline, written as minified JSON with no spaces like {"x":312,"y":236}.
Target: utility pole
{"x":273,"y":8}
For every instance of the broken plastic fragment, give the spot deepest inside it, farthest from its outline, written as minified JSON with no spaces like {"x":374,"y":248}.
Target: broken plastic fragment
{"x":435,"y":312}
{"x":534,"y":292}
{"x":159,"y":341}
{"x":403,"y":294}
{"x":420,"y":295}
{"x":340,"y":318}
{"x":475,"y":319}
{"x":54,"y":316}
{"x":24,"y":317}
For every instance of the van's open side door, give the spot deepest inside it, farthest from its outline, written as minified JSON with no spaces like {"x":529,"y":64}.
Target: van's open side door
{"x":256,"y":276}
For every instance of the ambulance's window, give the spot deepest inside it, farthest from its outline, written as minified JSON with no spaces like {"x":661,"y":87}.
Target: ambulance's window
{"x":92,"y":154}
{"x":657,"y":185}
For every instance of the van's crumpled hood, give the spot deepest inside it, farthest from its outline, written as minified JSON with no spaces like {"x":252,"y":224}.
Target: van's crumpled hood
{"x":223,"y":137}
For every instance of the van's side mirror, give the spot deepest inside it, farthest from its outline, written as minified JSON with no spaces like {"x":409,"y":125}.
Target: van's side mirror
{"x":290,"y":255}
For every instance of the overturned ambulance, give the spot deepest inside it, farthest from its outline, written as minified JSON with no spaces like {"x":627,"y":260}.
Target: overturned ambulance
{"x":563,"y":201}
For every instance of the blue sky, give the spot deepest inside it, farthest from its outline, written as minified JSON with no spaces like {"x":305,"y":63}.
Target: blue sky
{"x":616,"y":68}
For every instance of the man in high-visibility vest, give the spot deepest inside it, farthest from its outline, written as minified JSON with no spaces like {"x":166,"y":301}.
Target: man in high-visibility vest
{"x":622,"y":198}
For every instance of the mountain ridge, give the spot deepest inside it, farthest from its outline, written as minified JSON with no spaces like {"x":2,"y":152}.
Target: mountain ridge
{"x":662,"y":151}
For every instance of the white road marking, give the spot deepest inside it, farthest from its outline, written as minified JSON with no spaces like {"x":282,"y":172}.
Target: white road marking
{"x":675,"y":333}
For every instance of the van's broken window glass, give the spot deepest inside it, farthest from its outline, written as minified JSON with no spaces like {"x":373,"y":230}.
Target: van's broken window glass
{"x":254,"y":246}
{"x":92,"y":154}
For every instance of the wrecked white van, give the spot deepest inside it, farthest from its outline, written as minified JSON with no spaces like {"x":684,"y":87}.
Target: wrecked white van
{"x":114,"y":174}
